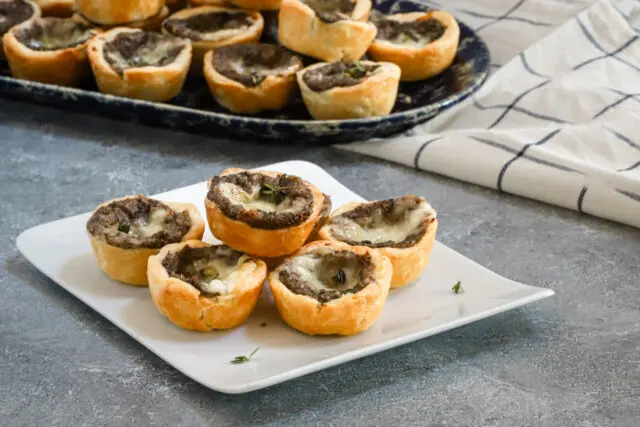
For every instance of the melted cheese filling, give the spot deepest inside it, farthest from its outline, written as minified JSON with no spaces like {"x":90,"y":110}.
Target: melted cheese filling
{"x":240,"y":66}
{"x":153,"y":225}
{"x":255,"y":201}
{"x":133,"y":51}
{"x":54,"y":34}
{"x":312,"y":271}
{"x":220,"y":276}
{"x":379,"y":231}
{"x":223,"y":34}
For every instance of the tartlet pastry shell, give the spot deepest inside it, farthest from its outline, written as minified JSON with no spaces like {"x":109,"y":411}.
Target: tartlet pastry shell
{"x":116,"y":12}
{"x":57,"y":8}
{"x":408,"y":263}
{"x":130,"y":265}
{"x":257,"y":4}
{"x":64,"y":67}
{"x":150,"y":83}
{"x":257,"y":241}
{"x":274,"y":93}
{"x":300,"y":30}
{"x":425,"y":62}
{"x":152,"y":23}
{"x":219,"y":3}
{"x":375,"y":96}
{"x":36,"y":14}
{"x":201,"y":47}
{"x":184,"y":305}
{"x":347,"y":315}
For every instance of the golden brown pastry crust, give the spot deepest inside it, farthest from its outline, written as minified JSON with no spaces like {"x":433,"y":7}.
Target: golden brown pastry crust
{"x":184,"y":305}
{"x":201,"y":47}
{"x":347,"y":315}
{"x":375,"y":96}
{"x":115,"y":12}
{"x":150,"y":24}
{"x":220,"y":3}
{"x":408,"y":263}
{"x":56,"y":8}
{"x":36,"y":14}
{"x":425,"y":62}
{"x":64,"y":67}
{"x":257,"y":4}
{"x":257,"y":241}
{"x":300,"y":30}
{"x":274,"y":93}
{"x":158,"y":84}
{"x":130,"y":265}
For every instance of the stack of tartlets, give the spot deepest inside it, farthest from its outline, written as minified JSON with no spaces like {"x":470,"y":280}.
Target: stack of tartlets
{"x":329,"y":273}
{"x":345,"y":59}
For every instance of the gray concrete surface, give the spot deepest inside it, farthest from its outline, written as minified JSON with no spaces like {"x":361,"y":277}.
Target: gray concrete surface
{"x":571,"y":360}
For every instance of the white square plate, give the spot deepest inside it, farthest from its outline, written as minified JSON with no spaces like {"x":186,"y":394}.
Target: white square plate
{"x":61,"y":250}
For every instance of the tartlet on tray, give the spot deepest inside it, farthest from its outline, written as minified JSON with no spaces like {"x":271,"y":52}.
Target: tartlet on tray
{"x":348,"y":90}
{"x":125,"y":232}
{"x":421,"y":44}
{"x":49,"y":50}
{"x":205,"y":287}
{"x":117,"y":12}
{"x":262,"y":213}
{"x":251,"y":78}
{"x":402,"y":229}
{"x":139,"y":64}
{"x":331,"y":288}
{"x":326,"y":30}
{"x":210,"y":27}
{"x":14,"y":12}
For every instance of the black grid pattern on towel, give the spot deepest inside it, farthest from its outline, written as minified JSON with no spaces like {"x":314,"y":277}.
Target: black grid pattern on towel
{"x":503,"y":110}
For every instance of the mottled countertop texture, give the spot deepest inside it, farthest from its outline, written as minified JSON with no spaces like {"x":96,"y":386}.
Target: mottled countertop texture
{"x":570,"y":360}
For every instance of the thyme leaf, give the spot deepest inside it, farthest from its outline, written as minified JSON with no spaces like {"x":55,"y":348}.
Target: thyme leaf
{"x":457,"y":288}
{"x":124,"y":227}
{"x":244,"y":359}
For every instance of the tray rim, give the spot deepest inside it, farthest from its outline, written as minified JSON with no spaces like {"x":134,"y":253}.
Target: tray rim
{"x":344,"y":357}
{"x":428,"y":110}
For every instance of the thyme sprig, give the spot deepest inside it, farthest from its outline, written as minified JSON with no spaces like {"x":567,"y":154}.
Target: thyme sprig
{"x":244,"y":359}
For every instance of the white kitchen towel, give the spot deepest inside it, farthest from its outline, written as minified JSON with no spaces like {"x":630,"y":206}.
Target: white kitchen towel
{"x":559,"y":123}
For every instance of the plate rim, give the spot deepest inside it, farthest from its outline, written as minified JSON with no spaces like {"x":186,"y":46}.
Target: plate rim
{"x":338,"y":359}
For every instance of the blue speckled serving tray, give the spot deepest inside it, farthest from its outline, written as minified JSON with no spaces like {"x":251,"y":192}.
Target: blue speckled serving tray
{"x":196,"y":110}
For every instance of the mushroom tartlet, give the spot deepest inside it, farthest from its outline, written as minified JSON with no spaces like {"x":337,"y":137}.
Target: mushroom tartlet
{"x":56,"y":8}
{"x":125,"y":232}
{"x":210,"y":27}
{"x":203,"y":287}
{"x":402,"y":229}
{"x":326,"y":30}
{"x":250,"y":78}
{"x":49,"y":50}
{"x":140,"y":64}
{"x":330,"y":288}
{"x":421,"y":44}
{"x":262,"y":213}
{"x":349,"y":90}
{"x":118,"y":12}
{"x":152,"y":23}
{"x":14,"y":12}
